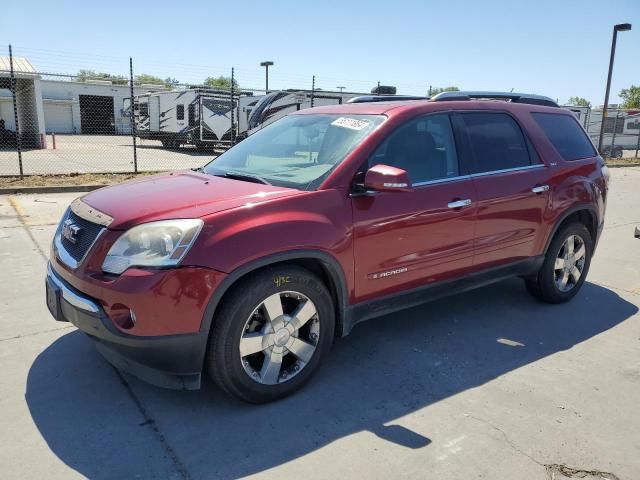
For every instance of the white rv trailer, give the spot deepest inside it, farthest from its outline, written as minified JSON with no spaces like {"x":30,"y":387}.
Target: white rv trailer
{"x":199,"y":116}
{"x":277,"y":104}
{"x":621,"y":128}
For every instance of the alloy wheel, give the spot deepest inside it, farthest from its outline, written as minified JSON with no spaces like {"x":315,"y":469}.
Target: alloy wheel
{"x":569,"y":263}
{"x":279,"y":338}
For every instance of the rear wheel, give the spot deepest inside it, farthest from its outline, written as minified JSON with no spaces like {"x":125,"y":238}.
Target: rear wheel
{"x":565,"y":266}
{"x":271,"y":334}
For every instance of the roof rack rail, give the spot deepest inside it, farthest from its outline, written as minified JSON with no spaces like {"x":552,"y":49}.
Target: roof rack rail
{"x":384,"y":98}
{"x":511,"y":96}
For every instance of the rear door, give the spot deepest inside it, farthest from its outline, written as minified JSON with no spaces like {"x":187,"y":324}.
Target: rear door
{"x":409,"y":239}
{"x":511,"y":183}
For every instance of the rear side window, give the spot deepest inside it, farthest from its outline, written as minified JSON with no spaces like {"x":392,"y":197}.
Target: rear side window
{"x":566,"y":135}
{"x":180,"y":112}
{"x":496,"y":142}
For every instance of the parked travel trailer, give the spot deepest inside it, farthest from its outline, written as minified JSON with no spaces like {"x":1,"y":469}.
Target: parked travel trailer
{"x":277,"y":104}
{"x":200,"y":117}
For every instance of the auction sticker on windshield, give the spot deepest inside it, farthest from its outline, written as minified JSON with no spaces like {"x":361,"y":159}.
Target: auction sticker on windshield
{"x":351,"y":123}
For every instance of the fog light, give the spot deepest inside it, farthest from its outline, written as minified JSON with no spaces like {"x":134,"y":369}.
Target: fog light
{"x":123,"y":316}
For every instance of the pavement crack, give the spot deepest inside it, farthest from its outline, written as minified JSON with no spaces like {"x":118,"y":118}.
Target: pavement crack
{"x":611,"y":287}
{"x":21,"y":217}
{"x":35,"y":333}
{"x":153,"y":426}
{"x":568,"y":472}
{"x":506,"y":439}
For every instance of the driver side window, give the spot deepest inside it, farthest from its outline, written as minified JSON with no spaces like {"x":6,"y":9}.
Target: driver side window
{"x":424,"y":148}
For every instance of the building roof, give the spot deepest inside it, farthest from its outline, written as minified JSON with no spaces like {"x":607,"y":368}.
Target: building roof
{"x":20,"y":66}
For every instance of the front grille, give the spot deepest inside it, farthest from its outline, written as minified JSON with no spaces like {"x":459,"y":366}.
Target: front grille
{"x":85,"y":236}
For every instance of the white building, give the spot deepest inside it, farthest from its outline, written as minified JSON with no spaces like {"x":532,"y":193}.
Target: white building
{"x":62,"y":106}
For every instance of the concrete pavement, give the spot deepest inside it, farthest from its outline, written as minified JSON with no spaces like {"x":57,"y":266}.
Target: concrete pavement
{"x":488,"y":384}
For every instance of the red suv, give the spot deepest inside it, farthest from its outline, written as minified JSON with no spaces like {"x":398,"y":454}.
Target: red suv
{"x":250,"y":267}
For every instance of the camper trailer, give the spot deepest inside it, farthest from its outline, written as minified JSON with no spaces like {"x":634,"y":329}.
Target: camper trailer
{"x":199,"y":116}
{"x":277,"y":104}
{"x":202,"y":117}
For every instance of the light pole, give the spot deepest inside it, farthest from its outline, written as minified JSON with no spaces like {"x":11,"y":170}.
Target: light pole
{"x":266,"y":66}
{"x":621,"y":27}
{"x":341,"y":88}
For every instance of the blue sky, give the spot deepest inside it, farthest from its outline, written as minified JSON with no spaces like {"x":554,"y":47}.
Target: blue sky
{"x":557,"y":48}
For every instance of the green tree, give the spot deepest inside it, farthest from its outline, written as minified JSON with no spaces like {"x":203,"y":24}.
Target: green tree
{"x":84,"y":75}
{"x":630,"y":97}
{"x":146,"y":79}
{"x":436,"y":90}
{"x":220,"y":82}
{"x":578,"y":102}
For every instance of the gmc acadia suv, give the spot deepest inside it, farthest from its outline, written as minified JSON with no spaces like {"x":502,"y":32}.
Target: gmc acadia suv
{"x":249,"y":267}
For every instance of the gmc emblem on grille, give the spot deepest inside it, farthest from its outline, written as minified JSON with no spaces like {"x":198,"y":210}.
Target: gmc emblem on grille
{"x":70,"y":231}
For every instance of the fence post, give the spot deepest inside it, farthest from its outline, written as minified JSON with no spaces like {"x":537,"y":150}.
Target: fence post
{"x":613,"y":136}
{"x":133,"y":120}
{"x":233,"y":128}
{"x":638,"y":144}
{"x":15,"y":112}
{"x":313,"y":89}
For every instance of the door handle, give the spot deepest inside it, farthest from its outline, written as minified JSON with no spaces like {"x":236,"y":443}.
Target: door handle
{"x":459,"y":203}
{"x":540,"y":189}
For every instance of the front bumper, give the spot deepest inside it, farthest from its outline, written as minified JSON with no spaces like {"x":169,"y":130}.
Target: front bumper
{"x":170,"y":361}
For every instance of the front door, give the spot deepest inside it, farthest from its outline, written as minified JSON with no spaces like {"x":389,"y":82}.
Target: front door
{"x":154,"y":113}
{"x":409,"y":239}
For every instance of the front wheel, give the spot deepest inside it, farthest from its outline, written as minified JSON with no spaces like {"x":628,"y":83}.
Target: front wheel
{"x":270,"y":334}
{"x":565,"y":266}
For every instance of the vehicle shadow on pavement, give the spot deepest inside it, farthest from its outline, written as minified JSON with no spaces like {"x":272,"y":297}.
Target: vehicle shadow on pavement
{"x":386,"y":369}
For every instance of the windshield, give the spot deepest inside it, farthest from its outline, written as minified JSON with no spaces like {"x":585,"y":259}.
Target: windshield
{"x":298,"y":151}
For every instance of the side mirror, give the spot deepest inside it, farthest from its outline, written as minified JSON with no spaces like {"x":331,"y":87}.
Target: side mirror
{"x":384,"y":178}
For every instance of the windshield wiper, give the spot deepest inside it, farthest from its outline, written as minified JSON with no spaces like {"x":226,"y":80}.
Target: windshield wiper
{"x":243,"y":176}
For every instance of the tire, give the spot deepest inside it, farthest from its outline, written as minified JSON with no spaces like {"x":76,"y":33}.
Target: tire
{"x":243,"y":315}
{"x":547,"y":285}
{"x":617,"y":153}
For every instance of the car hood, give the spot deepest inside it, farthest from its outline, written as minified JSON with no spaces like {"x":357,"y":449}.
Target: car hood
{"x":185,"y":194}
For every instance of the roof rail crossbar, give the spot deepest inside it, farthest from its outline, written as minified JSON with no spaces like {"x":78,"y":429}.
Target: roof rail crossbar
{"x":511,"y":96}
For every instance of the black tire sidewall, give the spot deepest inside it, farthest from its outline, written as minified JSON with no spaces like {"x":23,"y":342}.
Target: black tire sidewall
{"x":224,"y":360}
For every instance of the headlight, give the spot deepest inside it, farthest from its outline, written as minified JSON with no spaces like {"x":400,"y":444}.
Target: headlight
{"x":153,"y":244}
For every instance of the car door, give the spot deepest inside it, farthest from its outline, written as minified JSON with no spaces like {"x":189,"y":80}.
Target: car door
{"x":408,"y":239}
{"x":511,"y":183}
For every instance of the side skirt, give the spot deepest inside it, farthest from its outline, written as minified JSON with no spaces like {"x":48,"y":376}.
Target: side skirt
{"x":392,"y":303}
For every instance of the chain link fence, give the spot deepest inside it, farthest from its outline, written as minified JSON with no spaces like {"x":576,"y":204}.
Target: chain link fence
{"x":126,"y":121}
